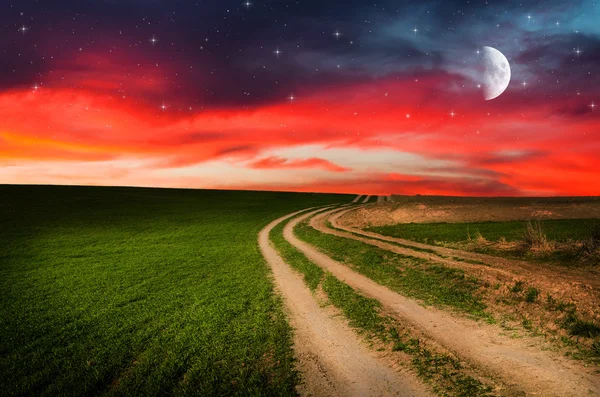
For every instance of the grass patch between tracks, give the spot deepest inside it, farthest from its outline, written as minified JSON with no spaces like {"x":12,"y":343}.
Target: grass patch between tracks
{"x":559,"y":241}
{"x":414,"y":277}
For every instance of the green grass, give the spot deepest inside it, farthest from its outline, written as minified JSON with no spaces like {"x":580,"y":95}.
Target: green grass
{"x":434,"y":284}
{"x":427,"y":250}
{"x":563,"y":231}
{"x":363,"y":313}
{"x":126,"y":291}
{"x":312,"y":273}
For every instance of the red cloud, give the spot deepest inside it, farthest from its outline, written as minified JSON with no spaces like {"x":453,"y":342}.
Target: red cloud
{"x":274,"y":162}
{"x":491,"y":148}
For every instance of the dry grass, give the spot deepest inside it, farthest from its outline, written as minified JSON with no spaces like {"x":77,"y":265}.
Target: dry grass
{"x":534,"y":239}
{"x":590,"y":249}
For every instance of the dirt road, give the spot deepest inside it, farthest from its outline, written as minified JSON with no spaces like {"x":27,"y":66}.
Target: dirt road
{"x":366,"y":199}
{"x":577,"y":282}
{"x":332,"y":359}
{"x":357,"y":198}
{"x":519,"y":362}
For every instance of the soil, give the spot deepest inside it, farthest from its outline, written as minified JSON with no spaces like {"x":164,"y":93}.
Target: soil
{"x":407,"y":209}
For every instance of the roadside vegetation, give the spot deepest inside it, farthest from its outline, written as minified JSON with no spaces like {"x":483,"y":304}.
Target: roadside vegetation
{"x":520,"y":305}
{"x":432,"y":283}
{"x":447,"y":375}
{"x":125,"y":291}
{"x":567,"y":242}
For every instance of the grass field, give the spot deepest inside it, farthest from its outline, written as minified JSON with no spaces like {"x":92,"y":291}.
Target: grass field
{"x":561,"y":230}
{"x":126,"y":291}
{"x":566,"y":236}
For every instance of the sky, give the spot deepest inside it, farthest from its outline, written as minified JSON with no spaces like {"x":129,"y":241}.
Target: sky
{"x":369,"y":97}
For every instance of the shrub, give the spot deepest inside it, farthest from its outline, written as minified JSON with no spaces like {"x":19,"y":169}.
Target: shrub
{"x":590,"y":249}
{"x":584,"y":328}
{"x":534,"y":238}
{"x":596,"y":347}
{"x":518,"y":287}
{"x":532,"y":295}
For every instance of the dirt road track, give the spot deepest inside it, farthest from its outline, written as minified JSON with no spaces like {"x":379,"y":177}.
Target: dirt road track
{"x":357,"y":198}
{"x":507,"y":267}
{"x":516,"y":361}
{"x":331,"y":358}
{"x":366,"y":199}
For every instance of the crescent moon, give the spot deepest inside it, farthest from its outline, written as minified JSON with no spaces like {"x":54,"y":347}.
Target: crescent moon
{"x":497,"y":73}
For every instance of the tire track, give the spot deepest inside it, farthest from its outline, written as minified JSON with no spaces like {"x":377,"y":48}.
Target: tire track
{"x":330,"y":355}
{"x":506,"y":268}
{"x":517,"y":361}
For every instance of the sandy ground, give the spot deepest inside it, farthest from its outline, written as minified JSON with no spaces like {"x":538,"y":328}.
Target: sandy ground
{"x":519,"y":362}
{"x":406,"y":209}
{"x":331,"y":358}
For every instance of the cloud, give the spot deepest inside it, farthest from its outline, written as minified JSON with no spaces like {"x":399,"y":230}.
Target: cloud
{"x":281,"y":163}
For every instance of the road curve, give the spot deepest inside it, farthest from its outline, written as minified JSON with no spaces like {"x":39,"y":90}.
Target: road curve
{"x":503,"y":267}
{"x":514,"y":360}
{"x":331,"y":357}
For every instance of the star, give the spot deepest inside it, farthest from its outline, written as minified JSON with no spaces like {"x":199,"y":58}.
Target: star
{"x":337,"y":34}
{"x":247,"y":4}
{"x":593,"y":106}
{"x":452,"y":114}
{"x":577,"y":51}
{"x":292,"y":98}
{"x":153,"y":40}
{"x":415,"y":30}
{"x":163,"y":107}
{"x":23,"y":29}
{"x":277,"y":52}
{"x":529,"y":17}
{"x":524,"y":84}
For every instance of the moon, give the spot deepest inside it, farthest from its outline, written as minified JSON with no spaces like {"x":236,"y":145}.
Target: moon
{"x":497,"y":73}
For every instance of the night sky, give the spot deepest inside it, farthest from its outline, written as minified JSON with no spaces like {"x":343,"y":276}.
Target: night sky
{"x":371,"y":97}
